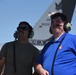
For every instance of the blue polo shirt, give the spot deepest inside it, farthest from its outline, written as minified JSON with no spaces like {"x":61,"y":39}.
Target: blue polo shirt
{"x":65,"y":62}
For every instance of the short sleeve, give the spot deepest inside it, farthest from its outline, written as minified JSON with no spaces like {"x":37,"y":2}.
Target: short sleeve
{"x":4,"y":50}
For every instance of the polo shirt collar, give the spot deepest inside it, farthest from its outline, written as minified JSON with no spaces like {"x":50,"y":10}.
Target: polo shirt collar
{"x":59,"y":38}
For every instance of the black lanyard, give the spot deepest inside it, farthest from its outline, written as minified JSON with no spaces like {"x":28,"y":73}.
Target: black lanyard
{"x":14,"y":56}
{"x":52,"y":70}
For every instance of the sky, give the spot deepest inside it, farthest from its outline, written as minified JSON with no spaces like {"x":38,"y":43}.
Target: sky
{"x":14,"y":11}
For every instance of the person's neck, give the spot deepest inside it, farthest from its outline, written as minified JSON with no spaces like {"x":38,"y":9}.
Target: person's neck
{"x":58,"y":34}
{"x":22,"y":40}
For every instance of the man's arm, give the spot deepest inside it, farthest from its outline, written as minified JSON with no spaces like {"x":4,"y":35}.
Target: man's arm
{"x":2,"y":62}
{"x":39,"y":69}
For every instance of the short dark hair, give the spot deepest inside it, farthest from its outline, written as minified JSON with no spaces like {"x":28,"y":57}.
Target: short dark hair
{"x":26,"y":23}
{"x":58,"y":14}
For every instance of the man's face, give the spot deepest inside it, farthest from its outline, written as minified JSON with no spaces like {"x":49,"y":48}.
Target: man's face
{"x":57,"y":25}
{"x":23,"y":31}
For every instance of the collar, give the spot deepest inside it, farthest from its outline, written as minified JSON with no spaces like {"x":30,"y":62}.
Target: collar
{"x":59,"y":38}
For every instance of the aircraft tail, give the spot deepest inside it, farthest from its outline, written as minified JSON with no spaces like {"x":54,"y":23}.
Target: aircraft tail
{"x":41,"y":28}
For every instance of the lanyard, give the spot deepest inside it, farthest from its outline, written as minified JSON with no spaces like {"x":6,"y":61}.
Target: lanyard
{"x":52,"y":70}
{"x":14,"y":56}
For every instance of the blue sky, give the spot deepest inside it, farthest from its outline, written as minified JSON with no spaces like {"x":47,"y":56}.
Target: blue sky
{"x":14,"y":11}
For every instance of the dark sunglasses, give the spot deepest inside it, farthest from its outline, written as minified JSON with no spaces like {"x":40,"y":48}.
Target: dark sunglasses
{"x":23,"y":28}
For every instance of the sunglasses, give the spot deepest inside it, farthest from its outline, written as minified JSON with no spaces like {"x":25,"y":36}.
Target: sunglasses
{"x":22,"y":28}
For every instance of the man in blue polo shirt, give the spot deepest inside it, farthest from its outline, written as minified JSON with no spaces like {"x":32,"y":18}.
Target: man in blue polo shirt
{"x":58,"y":56}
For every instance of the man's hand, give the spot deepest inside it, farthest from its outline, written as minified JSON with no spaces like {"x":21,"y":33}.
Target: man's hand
{"x":43,"y":72}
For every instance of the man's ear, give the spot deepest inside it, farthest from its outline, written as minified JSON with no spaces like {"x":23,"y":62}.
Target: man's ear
{"x":15,"y":35}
